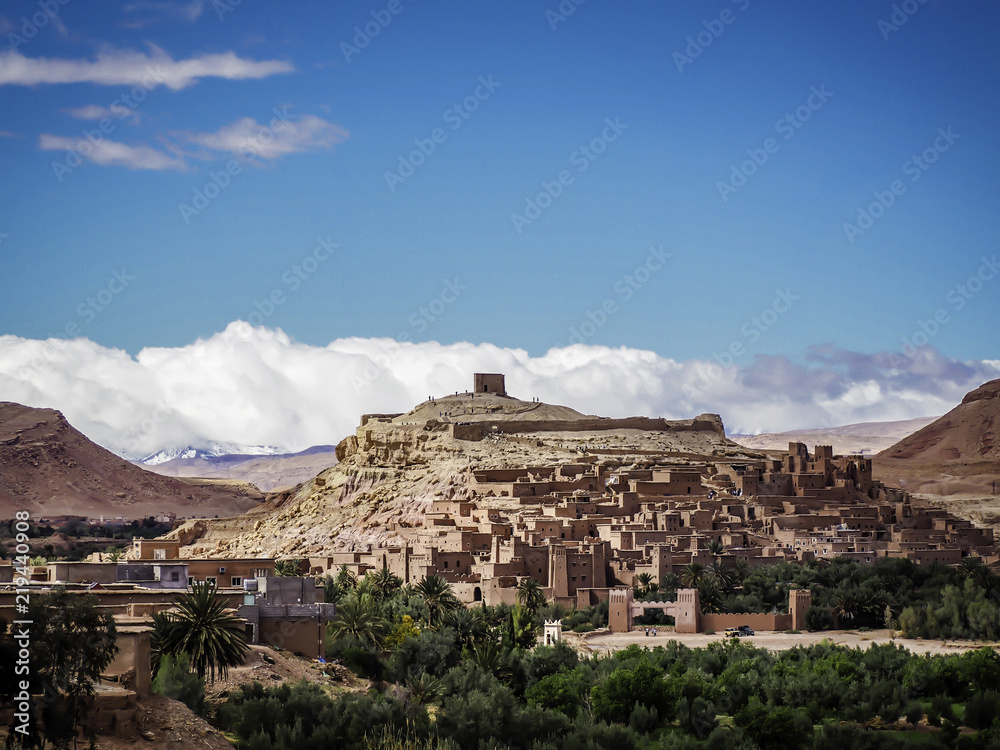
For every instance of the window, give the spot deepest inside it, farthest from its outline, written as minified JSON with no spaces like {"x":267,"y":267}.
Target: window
{"x":175,"y":575}
{"x":159,"y":554}
{"x":237,"y":580}
{"x":259,"y":573}
{"x":210,"y":579}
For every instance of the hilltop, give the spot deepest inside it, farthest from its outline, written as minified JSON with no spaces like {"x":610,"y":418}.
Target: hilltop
{"x":395,"y":465}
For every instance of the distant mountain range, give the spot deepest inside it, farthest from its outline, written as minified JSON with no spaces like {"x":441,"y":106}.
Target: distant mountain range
{"x":269,"y":471}
{"x":215,"y":450}
{"x":866,"y":438}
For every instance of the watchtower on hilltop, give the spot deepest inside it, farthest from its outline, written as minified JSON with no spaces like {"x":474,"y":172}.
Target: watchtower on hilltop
{"x":489,"y":382}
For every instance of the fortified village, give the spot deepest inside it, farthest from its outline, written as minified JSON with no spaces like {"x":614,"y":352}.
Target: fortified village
{"x":484,"y":489}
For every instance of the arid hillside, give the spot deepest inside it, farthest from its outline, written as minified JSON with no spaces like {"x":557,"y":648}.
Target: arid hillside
{"x":955,"y":460}
{"x":49,"y":468}
{"x":396,"y":465}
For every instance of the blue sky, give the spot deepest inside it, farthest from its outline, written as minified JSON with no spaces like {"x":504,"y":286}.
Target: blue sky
{"x":834,"y":100}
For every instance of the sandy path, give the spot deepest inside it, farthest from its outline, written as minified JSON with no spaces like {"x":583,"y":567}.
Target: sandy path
{"x":603,"y":641}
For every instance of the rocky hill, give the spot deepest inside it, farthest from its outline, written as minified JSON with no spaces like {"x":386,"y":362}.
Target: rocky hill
{"x":956,"y":457}
{"x":49,"y":468}
{"x":396,"y":465}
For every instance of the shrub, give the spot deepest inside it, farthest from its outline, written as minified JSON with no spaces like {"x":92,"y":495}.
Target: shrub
{"x":175,"y":680}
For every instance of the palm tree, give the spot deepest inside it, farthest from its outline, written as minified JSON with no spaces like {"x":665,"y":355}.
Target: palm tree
{"x":669,"y":583}
{"x":849,"y":607}
{"x":530,"y":594}
{"x":384,"y":582}
{"x":716,"y":548}
{"x":709,"y":595}
{"x":723,"y":575}
{"x":289,"y":567}
{"x":492,"y":658}
{"x":691,"y":574}
{"x":438,"y":597}
{"x":358,"y":616}
{"x":646,"y":583}
{"x":469,"y":628}
{"x":741,"y":568}
{"x":425,"y":690}
{"x":202,"y":627}
{"x":346,"y":580}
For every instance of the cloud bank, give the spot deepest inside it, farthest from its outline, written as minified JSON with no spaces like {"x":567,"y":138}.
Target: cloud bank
{"x":258,"y":386}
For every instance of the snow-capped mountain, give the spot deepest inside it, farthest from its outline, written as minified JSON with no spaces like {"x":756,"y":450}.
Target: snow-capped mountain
{"x":215,"y":450}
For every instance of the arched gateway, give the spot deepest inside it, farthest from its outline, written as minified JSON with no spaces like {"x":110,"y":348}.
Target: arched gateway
{"x":686,"y":611}
{"x":623,"y":608}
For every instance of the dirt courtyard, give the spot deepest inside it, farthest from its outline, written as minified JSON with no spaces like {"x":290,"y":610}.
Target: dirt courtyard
{"x":604,"y":641}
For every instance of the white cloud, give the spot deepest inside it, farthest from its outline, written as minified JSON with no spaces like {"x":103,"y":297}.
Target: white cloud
{"x":91,"y":112}
{"x":112,"y":153}
{"x":123,"y":67}
{"x":189,"y":12}
{"x":288,"y":135}
{"x":258,"y":386}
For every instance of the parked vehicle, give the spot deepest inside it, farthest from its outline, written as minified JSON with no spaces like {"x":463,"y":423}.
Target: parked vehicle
{"x":732,"y":633}
{"x":745,"y":630}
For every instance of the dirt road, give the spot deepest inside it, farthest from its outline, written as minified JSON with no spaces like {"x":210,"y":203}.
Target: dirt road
{"x":603,"y":641}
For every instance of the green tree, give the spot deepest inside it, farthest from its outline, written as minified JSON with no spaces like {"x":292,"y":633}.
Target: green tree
{"x":203,"y":627}
{"x":114,"y":553}
{"x":358,"y":616}
{"x":691,"y":574}
{"x":646,"y":584}
{"x":175,"y":680}
{"x":530,"y":594}
{"x":384,"y":583}
{"x":346,"y":579}
{"x":289,"y":567}
{"x":438,"y":596}
{"x":72,"y":644}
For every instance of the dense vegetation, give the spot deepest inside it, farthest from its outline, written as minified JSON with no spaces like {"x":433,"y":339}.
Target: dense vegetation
{"x":925,"y":601}
{"x":728,"y":695}
{"x":84,"y":538}
{"x":449,"y":677}
{"x":70,"y":643}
